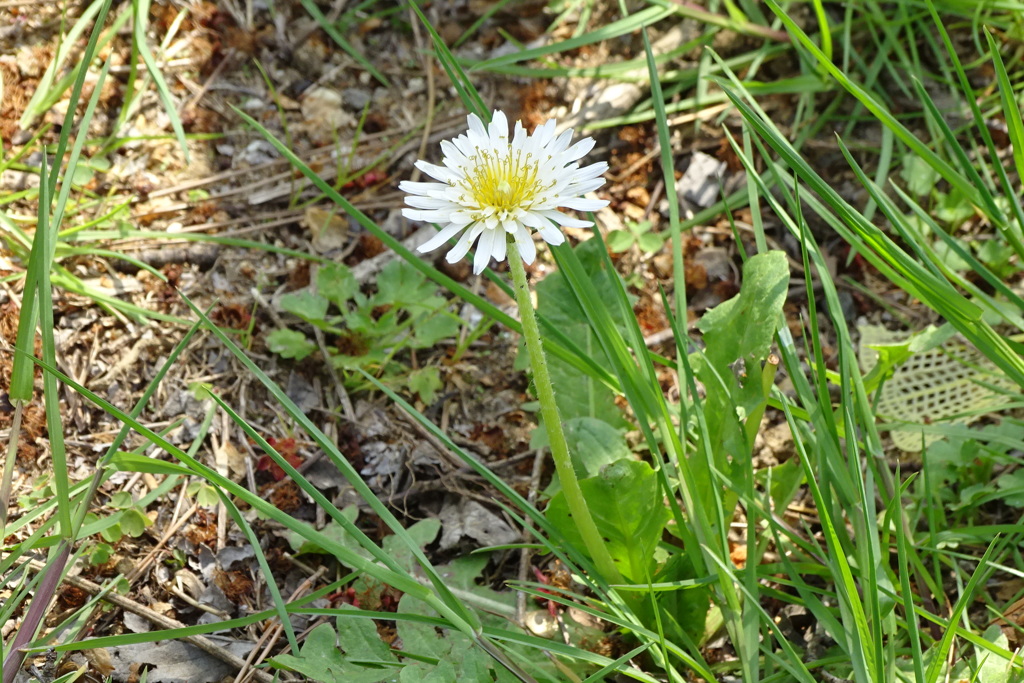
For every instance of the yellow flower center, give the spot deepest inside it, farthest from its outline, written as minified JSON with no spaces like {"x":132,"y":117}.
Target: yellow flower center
{"x":503,"y":182}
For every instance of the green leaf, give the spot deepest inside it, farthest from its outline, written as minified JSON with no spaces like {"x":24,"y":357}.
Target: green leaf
{"x":919,"y":176}
{"x":650,"y":242}
{"x":954,"y":209}
{"x":112,"y":534}
{"x":121,"y":500}
{"x":683,"y":610}
{"x":333,"y":531}
{"x":134,"y":522}
{"x":336,"y":282}
{"x":620,"y":240}
{"x":432,"y":329}
{"x":360,"y":640}
{"x":290,"y":344}
{"x":578,"y":395}
{"x":100,"y":553}
{"x":740,"y":332}
{"x":743,"y":327}
{"x":425,"y":382}
{"x":305,"y":304}
{"x":991,"y":668}
{"x":321,"y":660}
{"x":424,"y":639}
{"x":401,"y":284}
{"x":593,"y":444}
{"x":442,"y":672}
{"x":626,"y":503}
{"x":1012,"y":487}
{"x":421,"y":533}
{"x":205,"y":495}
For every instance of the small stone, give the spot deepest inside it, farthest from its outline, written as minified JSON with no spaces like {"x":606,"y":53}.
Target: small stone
{"x":355,"y":98}
{"x":321,"y":107}
{"x":702,"y":181}
{"x":416,"y":85}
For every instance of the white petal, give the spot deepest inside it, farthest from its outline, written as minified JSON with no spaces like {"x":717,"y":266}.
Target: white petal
{"x":581,"y":204}
{"x":463,"y":144}
{"x":465,"y":242}
{"x":585,"y":186}
{"x":500,"y":245}
{"x":578,"y":151}
{"x":442,"y":237}
{"x":527,"y":249}
{"x":430,"y":203}
{"x":519,"y":137}
{"x":421,"y":188}
{"x":476,"y":126}
{"x":542,"y":134}
{"x":560,"y":143}
{"x":426,"y":216}
{"x":592,"y":171}
{"x":562,"y":219}
{"x":498,"y":129}
{"x":532,"y":220}
{"x":552,"y":235}
{"x":484,"y":250}
{"x":439,"y":172}
{"x":453,"y":156}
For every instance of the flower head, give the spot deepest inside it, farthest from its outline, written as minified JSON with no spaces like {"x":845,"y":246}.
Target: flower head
{"x":490,"y":186}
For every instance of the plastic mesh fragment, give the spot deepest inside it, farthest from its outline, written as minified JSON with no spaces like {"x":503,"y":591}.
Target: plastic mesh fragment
{"x":952,"y":383}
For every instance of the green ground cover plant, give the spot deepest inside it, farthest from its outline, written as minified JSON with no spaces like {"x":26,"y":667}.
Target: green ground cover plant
{"x":684,"y":560}
{"x":404,"y":313}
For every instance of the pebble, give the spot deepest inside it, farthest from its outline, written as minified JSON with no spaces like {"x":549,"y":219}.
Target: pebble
{"x":355,"y":98}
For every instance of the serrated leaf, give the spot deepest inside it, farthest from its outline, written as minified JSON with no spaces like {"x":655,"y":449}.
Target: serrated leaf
{"x":305,"y":304}
{"x":319,"y":659}
{"x":918,"y":175}
{"x":335,"y":282}
{"x":425,"y":382}
{"x":627,"y":507}
{"x":424,"y":639}
{"x":422,"y":533}
{"x":401,"y":284}
{"x":290,"y":344}
{"x":1011,"y":486}
{"x":442,"y":672}
{"x":991,"y":668}
{"x":954,"y":209}
{"x":360,"y":640}
{"x":432,"y":329}
{"x":335,"y":532}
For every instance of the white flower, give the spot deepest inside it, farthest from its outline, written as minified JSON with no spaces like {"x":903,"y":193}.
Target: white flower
{"x":490,"y":187}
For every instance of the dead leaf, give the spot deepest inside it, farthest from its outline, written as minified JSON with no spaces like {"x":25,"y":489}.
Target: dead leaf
{"x":234,"y":458}
{"x":468,"y":518}
{"x":329,"y":230}
{"x":100,"y":660}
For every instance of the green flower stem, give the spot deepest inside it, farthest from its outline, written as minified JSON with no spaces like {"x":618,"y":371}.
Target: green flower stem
{"x":553,"y":422}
